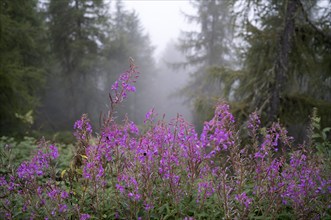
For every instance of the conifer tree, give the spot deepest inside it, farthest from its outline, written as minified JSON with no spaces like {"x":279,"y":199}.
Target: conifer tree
{"x":205,"y":48}
{"x":284,"y":74}
{"x":285,"y":56}
{"x":22,"y":60}
{"x":77,"y":36}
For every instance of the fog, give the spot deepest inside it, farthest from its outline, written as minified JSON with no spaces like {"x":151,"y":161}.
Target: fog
{"x":88,"y":61}
{"x":168,"y":83}
{"x":163,"y":21}
{"x":161,"y":90}
{"x":159,"y":84}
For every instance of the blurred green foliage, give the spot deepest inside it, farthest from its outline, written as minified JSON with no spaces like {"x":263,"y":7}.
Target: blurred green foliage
{"x":22,"y":60}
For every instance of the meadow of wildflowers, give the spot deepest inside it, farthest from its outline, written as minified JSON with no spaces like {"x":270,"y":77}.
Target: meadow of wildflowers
{"x":168,"y":171}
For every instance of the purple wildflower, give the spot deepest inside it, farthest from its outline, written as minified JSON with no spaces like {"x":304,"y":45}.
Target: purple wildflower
{"x":83,"y":128}
{"x":148,"y":206}
{"x":88,"y":169}
{"x":53,"y":152}
{"x":39,"y":190}
{"x":149,"y":115}
{"x":254,"y":122}
{"x":120,"y":188}
{"x":84,"y":216}
{"x":100,"y":171}
{"x":205,"y":189}
{"x":53,"y":193}
{"x":36,"y":167}
{"x":3,"y":181}
{"x":243,"y":199}
{"x":63,"y":208}
{"x":114,"y":87}
{"x":64,"y":195}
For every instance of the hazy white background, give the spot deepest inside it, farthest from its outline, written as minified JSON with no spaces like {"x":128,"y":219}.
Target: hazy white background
{"x":162,"y":19}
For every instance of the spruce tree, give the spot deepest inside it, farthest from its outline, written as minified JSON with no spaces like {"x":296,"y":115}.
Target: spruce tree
{"x":77,"y":36}
{"x":208,"y":47}
{"x":284,"y":59}
{"x":285,"y":54}
{"x":22,"y":58}
{"x":285,"y":74}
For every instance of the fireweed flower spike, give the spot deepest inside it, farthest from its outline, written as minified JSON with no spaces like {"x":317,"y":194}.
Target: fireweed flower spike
{"x":84,"y":216}
{"x":29,"y":170}
{"x":124,"y":85}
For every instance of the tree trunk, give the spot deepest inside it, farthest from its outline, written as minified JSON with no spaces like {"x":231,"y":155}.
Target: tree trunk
{"x":282,"y":60}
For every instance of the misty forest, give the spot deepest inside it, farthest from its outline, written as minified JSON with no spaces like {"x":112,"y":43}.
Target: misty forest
{"x":231,"y":121}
